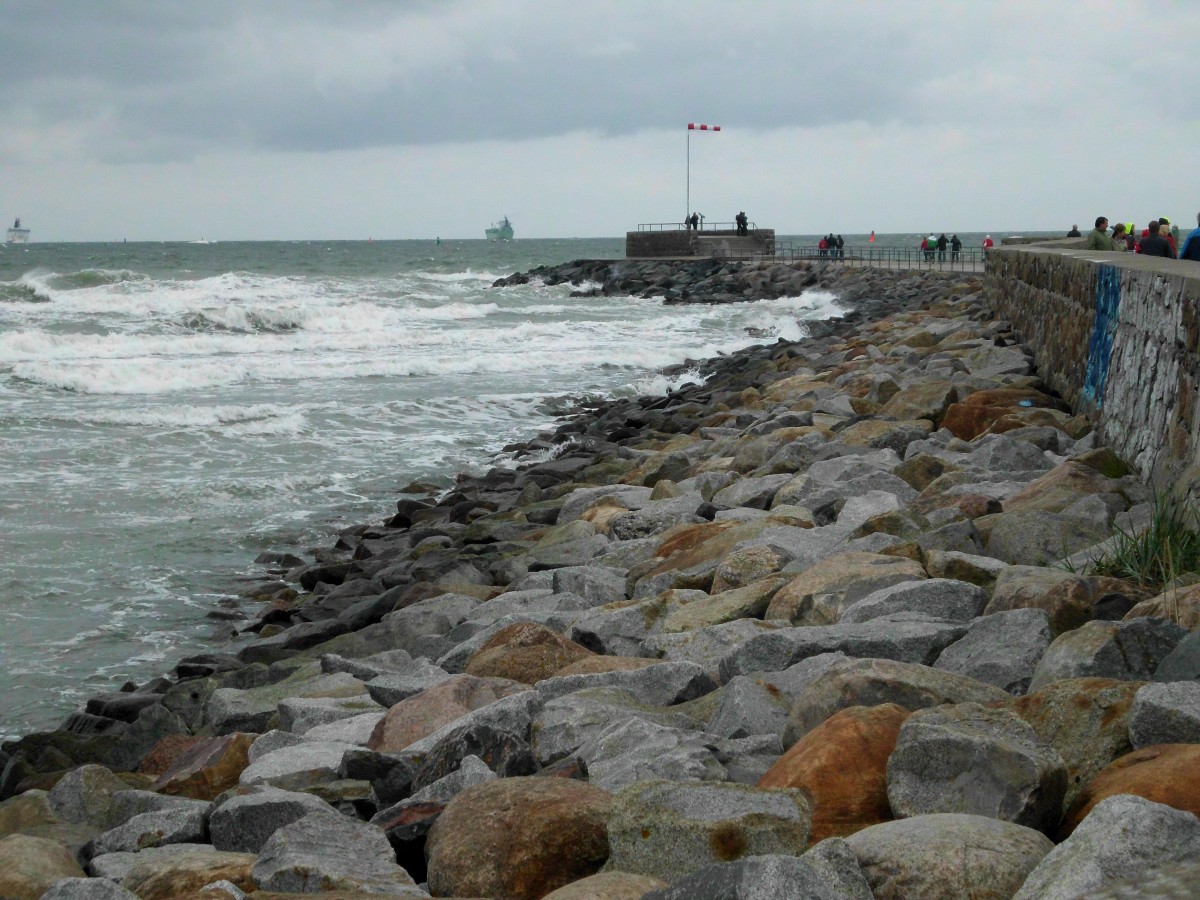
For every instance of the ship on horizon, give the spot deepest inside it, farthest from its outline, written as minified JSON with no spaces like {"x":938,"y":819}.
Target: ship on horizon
{"x":17,"y":234}
{"x":500,"y":231}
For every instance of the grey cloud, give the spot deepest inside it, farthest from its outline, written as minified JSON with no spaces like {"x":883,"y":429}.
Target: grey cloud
{"x":154,"y":81}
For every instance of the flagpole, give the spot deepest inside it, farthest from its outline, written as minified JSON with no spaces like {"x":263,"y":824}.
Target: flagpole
{"x":692,"y":126}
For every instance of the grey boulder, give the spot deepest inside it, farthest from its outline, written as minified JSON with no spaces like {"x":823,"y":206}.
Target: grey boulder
{"x":967,"y":758}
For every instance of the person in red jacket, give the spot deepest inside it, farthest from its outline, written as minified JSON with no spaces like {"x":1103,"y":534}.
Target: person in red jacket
{"x":987,"y":242}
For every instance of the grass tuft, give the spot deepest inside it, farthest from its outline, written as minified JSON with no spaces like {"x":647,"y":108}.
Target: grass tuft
{"x":1159,"y":555}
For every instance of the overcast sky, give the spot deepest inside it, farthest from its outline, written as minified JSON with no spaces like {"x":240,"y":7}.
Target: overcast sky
{"x":226,"y":119}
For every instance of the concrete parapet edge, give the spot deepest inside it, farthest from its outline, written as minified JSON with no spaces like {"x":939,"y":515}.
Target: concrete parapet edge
{"x":1118,"y":336}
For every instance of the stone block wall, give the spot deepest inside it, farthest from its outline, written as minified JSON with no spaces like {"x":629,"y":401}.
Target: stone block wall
{"x":658,"y":243}
{"x":1118,"y":336}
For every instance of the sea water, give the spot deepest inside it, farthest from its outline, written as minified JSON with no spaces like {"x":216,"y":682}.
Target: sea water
{"x":170,"y":410}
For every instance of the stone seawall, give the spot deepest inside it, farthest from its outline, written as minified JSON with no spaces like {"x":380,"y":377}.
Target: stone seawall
{"x":1117,"y":336}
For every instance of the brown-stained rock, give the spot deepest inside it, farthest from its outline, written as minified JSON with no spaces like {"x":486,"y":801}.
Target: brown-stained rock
{"x":25,"y":811}
{"x":929,"y":400}
{"x":842,"y":766}
{"x":1104,"y":461}
{"x":526,"y":652}
{"x":1060,"y":487}
{"x":608,"y":886}
{"x":974,"y":506}
{"x":173,"y":875}
{"x":595,"y":664}
{"x":747,"y":565}
{"x":1085,"y":719}
{"x":882,"y":433}
{"x":424,"y":713}
{"x":1164,"y":773}
{"x":518,"y":838}
{"x":921,"y":470}
{"x":30,"y":865}
{"x":208,"y":768}
{"x":1180,"y":605}
{"x":817,"y":595}
{"x":975,"y":413}
{"x":1066,"y":597}
{"x":166,"y":753}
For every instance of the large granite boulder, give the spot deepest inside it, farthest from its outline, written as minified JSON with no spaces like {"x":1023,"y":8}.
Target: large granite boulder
{"x":871,"y":682}
{"x":175,"y":871}
{"x":1121,"y":835}
{"x":171,"y":825}
{"x":1165,"y":714}
{"x":541,"y":834}
{"x":844,"y":799}
{"x":244,"y":823}
{"x":1129,"y":651}
{"x":608,"y":886}
{"x":829,"y":871}
{"x":1001,"y":649}
{"x":945,"y":598}
{"x":1164,"y":773}
{"x":524,"y":652}
{"x":30,"y":865}
{"x":634,"y":749}
{"x":1085,"y":719}
{"x":422,"y":714}
{"x":320,"y":853}
{"x":667,"y":829}
{"x":819,"y":594}
{"x":207,"y":768}
{"x":948,"y":856}
{"x":901,"y":636}
{"x":966,"y":758}
{"x":84,"y":796}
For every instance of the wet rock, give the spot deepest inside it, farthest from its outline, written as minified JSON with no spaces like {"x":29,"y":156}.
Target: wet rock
{"x":505,"y":753}
{"x":179,"y":825}
{"x":827,"y":872}
{"x":662,"y":684}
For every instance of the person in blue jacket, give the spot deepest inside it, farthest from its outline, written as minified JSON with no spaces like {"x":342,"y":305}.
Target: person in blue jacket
{"x":1191,"y":246}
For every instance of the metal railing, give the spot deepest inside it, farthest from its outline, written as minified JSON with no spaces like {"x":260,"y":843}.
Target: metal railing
{"x":874,"y":257}
{"x":683,"y":226}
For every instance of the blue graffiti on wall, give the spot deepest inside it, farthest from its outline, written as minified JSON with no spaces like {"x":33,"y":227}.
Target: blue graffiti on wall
{"x":1108,"y":304}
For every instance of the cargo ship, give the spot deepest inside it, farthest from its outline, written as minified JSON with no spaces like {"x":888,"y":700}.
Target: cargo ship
{"x":500,"y":231}
{"x":17,"y":234}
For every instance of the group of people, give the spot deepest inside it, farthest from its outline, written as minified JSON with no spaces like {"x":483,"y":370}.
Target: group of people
{"x":938,"y":244}
{"x":832,"y":245}
{"x":1158,"y":238}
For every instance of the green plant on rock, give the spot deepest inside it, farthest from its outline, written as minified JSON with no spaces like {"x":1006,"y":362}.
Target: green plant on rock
{"x":1159,"y":555}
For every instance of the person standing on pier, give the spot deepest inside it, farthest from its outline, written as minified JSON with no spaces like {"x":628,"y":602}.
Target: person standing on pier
{"x":942,"y":243}
{"x":1098,"y":238}
{"x":1074,"y":232}
{"x":988,"y":244}
{"x":1154,"y":244}
{"x":1191,"y":245}
{"x":955,"y":247}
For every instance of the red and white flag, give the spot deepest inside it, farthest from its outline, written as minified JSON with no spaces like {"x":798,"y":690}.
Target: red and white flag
{"x":693,"y":126}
